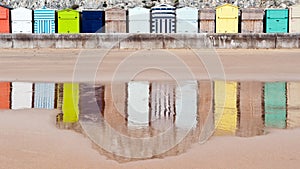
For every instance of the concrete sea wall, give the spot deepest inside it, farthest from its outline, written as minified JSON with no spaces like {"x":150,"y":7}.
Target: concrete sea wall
{"x":151,"y":41}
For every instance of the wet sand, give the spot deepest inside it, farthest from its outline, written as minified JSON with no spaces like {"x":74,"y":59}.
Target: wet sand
{"x":29,"y":139}
{"x":59,"y":64}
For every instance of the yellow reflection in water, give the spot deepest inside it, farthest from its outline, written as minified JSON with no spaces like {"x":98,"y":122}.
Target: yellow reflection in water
{"x":225,"y":102}
{"x":70,"y":102}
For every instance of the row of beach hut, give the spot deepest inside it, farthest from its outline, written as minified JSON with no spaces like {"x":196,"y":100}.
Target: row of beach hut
{"x":159,"y":19}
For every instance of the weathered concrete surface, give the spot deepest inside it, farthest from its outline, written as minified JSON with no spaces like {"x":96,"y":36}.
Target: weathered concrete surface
{"x":245,"y":41}
{"x":150,"y":41}
{"x":287,"y":40}
{"x":6,"y":41}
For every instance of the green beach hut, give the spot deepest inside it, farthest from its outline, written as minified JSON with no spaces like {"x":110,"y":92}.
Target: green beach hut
{"x":277,"y":20}
{"x":68,"y":21}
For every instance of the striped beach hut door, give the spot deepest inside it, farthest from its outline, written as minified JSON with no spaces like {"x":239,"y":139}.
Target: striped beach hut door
{"x":44,"y":21}
{"x":163,"y":19}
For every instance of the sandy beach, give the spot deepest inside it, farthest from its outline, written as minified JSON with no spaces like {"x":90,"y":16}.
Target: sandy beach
{"x":59,"y":65}
{"x":29,"y":138}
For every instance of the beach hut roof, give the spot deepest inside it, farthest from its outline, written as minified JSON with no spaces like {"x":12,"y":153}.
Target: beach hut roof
{"x":227,"y":5}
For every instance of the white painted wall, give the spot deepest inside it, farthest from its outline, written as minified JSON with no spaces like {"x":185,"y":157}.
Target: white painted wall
{"x":139,"y":20}
{"x":21,"y":20}
{"x":187,"y":20}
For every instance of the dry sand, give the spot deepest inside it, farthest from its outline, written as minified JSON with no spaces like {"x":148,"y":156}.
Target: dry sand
{"x":59,"y":64}
{"x":29,"y":138}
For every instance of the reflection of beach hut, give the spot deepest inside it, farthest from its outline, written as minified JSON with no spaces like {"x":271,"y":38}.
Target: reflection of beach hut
{"x":277,"y":20}
{"x":59,"y":95}
{"x":115,"y":99}
{"x":252,"y":20}
{"x":91,"y":103}
{"x":92,"y":21}
{"x":275,"y":104}
{"x":251,"y":121}
{"x":68,"y":21}
{"x":187,"y":20}
{"x":139,"y":20}
{"x":163,"y":19}
{"x":21,"y":96}
{"x":44,"y":20}
{"x":162,"y":104}
{"x":207,"y":20}
{"x":225,"y":110}
{"x":4,"y":95}
{"x":4,"y":19}
{"x":138,"y":104}
{"x":205,"y":110}
{"x":186,"y":105}
{"x":70,"y":102}
{"x":115,"y":20}
{"x":293,"y":103}
{"x":227,"y":19}
{"x":21,"y":20}
{"x":44,"y":95}
{"x":294,"y":23}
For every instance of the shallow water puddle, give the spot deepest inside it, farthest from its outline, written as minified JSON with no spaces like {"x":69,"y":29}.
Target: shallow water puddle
{"x":225,"y":107}
{"x":293,"y":104}
{"x":21,"y":95}
{"x":44,"y":95}
{"x":250,"y":106}
{"x":5,"y":95}
{"x":275,"y":104}
{"x":141,"y":119}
